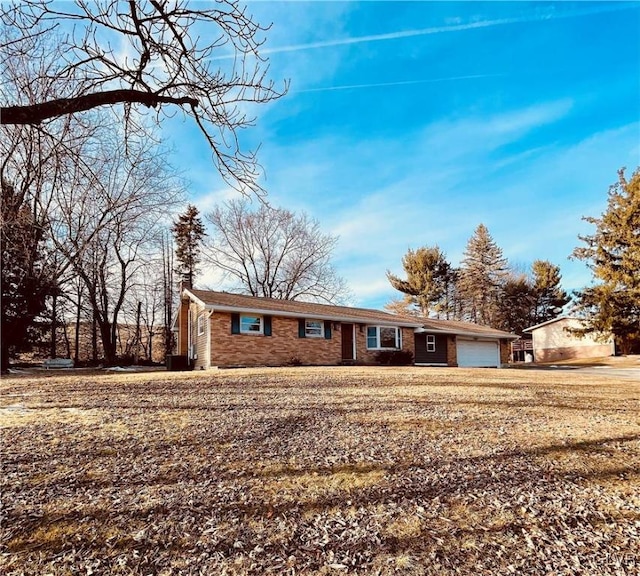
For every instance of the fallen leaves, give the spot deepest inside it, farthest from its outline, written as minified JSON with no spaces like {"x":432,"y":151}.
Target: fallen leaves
{"x":320,"y":471}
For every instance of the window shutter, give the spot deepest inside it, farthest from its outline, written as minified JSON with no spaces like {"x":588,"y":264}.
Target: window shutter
{"x":235,"y":323}
{"x":267,"y":325}
{"x":327,"y":330}
{"x":301,"y":328}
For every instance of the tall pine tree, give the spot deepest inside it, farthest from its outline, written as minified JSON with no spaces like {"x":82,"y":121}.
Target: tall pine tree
{"x":188,"y":233}
{"x":550,"y":298}
{"x":612,"y":252}
{"x":482,"y":274}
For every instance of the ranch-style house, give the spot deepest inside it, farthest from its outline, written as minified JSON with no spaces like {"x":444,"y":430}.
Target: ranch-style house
{"x":221,"y":329}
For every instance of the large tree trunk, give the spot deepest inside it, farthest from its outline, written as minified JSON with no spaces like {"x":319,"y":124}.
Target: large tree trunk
{"x":108,"y":342}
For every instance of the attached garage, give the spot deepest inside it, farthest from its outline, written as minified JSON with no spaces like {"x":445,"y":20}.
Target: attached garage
{"x":478,"y":353}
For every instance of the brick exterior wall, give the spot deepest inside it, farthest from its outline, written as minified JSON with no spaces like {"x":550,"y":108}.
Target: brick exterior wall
{"x":282,"y":346}
{"x":505,"y":352}
{"x":183,"y":321}
{"x":452,"y":351}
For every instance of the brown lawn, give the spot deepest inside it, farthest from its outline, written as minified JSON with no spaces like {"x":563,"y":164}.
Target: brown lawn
{"x":320,"y":471}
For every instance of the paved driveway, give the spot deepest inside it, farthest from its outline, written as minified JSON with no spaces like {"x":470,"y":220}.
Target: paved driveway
{"x":605,"y":371}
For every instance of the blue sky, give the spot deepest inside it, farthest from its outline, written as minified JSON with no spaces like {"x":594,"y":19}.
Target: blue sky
{"x":409,"y":123}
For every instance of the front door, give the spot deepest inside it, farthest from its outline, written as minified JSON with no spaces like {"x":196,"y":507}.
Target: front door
{"x":347,"y":342}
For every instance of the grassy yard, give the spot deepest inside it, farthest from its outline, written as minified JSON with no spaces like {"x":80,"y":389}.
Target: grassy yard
{"x":320,"y":471}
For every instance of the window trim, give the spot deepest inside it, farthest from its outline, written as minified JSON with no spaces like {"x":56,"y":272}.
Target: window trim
{"x":398,"y":338}
{"x":259,"y":317}
{"x":201,"y":324}
{"x":431,"y":343}
{"x":313,"y":335}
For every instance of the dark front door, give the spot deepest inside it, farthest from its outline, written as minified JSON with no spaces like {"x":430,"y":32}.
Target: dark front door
{"x":347,"y":341}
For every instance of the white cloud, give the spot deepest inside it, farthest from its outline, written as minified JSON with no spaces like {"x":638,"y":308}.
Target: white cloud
{"x":436,"y":185}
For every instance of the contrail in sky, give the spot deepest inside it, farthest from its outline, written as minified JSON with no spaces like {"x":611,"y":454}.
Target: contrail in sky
{"x":548,"y":15}
{"x":401,"y":83}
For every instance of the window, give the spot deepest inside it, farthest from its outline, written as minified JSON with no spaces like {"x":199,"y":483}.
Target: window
{"x":201,"y":322}
{"x":251,"y":324}
{"x":314,"y":328}
{"x":431,"y":343}
{"x":383,"y":337}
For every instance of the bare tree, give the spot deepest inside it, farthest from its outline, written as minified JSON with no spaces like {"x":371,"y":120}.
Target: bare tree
{"x":273,"y":252}
{"x":158,"y":54}
{"x":109,"y":230}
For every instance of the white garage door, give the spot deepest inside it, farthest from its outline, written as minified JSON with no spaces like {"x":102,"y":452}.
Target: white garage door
{"x":472,"y":353}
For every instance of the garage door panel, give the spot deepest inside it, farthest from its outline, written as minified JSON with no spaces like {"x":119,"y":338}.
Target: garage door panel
{"x":477,"y":353}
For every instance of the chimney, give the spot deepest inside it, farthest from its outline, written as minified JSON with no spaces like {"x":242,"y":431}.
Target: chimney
{"x":185,"y":283}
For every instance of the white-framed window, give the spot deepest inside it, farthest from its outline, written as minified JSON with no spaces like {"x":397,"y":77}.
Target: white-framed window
{"x":381,"y":337}
{"x":314,"y":329}
{"x":251,"y":324}
{"x":431,"y":343}
{"x":201,"y":324}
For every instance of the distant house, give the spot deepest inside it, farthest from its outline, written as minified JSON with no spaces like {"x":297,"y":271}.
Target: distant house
{"x":224,"y":329}
{"x":553,"y":341}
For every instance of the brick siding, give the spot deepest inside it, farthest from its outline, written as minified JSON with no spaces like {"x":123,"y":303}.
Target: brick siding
{"x":284,"y":345}
{"x":505,"y":352}
{"x":452,"y":351}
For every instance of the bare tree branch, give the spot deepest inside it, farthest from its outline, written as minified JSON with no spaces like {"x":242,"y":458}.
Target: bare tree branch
{"x":205,"y":60}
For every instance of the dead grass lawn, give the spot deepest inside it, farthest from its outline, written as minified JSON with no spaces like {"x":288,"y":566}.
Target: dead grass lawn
{"x":320,"y":471}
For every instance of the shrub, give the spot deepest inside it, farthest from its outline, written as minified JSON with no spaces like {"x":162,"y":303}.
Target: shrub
{"x":394,"y":357}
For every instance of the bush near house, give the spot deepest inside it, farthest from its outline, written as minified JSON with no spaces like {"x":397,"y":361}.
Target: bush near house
{"x":394,"y":357}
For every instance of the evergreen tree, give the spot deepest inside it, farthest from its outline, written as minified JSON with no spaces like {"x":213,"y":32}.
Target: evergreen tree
{"x":26,"y":281}
{"x":188,"y":233}
{"x":482,"y":274}
{"x":550,"y":298}
{"x":428,"y":275}
{"x":612,"y":252}
{"x":517,"y":304}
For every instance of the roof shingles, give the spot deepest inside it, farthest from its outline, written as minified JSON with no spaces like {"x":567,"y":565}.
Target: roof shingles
{"x":244,"y":303}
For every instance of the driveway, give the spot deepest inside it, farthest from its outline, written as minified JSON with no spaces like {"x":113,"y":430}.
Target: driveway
{"x":605,"y":371}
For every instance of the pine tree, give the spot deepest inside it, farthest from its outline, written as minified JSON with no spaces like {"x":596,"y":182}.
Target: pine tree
{"x":188,"y":233}
{"x":26,"y":279}
{"x":550,"y":298}
{"x":483,"y":271}
{"x":517,"y":304}
{"x":427,"y":273}
{"x":612,"y":253}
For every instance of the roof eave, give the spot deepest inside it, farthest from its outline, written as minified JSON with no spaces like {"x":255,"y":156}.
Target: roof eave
{"x":301,"y":314}
{"x":504,"y":336}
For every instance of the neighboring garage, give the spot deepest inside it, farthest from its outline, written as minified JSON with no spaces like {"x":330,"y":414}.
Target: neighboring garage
{"x":477,"y":353}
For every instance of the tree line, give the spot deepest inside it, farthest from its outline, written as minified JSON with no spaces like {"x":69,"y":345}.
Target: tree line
{"x":86,"y":186}
{"x":484,"y":289}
